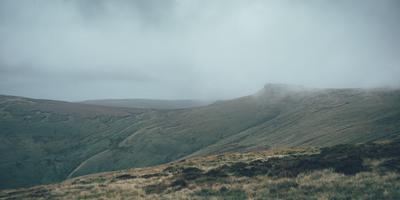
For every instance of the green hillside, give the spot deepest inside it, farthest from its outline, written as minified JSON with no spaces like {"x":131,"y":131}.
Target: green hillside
{"x":43,"y":141}
{"x":48,"y":141}
{"x":275,"y":117}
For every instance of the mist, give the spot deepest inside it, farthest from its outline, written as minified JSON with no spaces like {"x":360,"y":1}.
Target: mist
{"x":198,"y":49}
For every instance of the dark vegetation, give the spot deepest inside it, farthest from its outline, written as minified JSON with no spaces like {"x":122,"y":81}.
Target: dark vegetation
{"x":153,"y":175}
{"x":125,"y":177}
{"x":391,"y":164}
{"x":191,"y":173}
{"x":347,"y":159}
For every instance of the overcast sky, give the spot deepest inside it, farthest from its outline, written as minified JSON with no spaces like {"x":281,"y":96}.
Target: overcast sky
{"x":194,"y":49}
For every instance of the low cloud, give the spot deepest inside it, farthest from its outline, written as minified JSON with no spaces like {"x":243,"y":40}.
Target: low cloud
{"x":174,"y":49}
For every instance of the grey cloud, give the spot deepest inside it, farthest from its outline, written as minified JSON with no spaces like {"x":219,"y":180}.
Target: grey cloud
{"x":73,"y":50}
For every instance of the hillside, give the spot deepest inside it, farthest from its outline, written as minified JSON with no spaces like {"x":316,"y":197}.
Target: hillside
{"x":363,"y":171}
{"x":49,"y":141}
{"x":43,"y":141}
{"x":148,"y":103}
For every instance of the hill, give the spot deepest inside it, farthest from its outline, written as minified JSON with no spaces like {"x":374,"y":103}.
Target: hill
{"x":49,"y":141}
{"x":42,"y":141}
{"x":148,"y":103}
{"x":363,"y":171}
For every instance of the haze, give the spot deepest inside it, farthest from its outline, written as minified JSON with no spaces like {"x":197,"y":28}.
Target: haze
{"x":194,"y":49}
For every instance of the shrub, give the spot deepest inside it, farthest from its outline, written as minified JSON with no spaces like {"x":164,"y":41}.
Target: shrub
{"x":192,"y":173}
{"x":125,"y":177}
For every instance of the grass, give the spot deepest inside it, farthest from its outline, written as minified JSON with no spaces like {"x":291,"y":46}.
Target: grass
{"x":201,"y":177}
{"x":327,"y":184}
{"x":222,"y":193}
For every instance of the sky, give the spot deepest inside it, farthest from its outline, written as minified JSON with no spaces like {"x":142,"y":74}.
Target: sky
{"x":194,"y":49}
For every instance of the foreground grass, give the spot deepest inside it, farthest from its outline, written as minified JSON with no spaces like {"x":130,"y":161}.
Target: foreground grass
{"x":365,"y":171}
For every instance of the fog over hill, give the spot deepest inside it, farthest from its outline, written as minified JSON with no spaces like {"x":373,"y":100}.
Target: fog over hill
{"x":200,"y":49}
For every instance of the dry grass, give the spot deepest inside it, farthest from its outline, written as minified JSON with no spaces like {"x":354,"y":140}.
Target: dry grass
{"x":159,"y":183}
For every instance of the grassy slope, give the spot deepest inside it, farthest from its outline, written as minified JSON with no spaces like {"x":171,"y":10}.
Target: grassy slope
{"x":321,"y":118}
{"x":271,"y":118}
{"x":363,"y":171}
{"x":47,"y":141}
{"x":43,"y":141}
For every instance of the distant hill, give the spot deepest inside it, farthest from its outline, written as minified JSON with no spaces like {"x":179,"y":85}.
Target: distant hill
{"x":48,"y":141}
{"x":148,"y":103}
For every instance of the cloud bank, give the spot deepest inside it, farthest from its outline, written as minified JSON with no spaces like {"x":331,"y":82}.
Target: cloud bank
{"x":198,"y":49}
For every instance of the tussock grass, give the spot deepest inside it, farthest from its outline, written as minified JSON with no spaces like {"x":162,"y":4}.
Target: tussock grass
{"x":221,"y":177}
